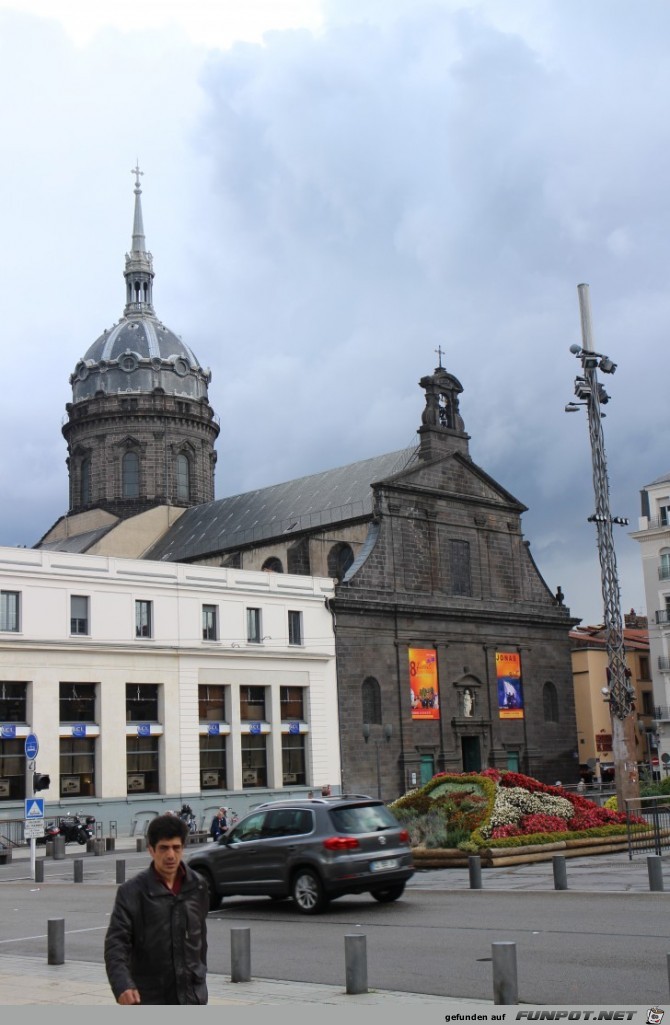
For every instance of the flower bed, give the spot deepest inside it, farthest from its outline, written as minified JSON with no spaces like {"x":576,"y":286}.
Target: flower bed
{"x":496,"y":813}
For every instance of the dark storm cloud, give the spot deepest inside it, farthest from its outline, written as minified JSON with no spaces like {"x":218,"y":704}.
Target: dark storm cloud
{"x":416,"y":175}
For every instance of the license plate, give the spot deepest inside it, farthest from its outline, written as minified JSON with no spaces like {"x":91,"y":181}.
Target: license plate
{"x":383,"y":866}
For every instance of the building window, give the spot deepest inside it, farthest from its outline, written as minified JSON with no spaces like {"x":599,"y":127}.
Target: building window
{"x":254,"y":760}
{"x":664,"y":568}
{"x":143,"y":623}
{"x":647,"y":702}
{"x":372,"y":700}
{"x":13,"y":698}
{"x":142,"y":765}
{"x":295,"y":627}
{"x":252,"y":704}
{"x":130,"y":475}
{"x":665,"y":515}
{"x":12,"y":770}
{"x":78,"y":614}
{"x":85,"y":482}
{"x":210,"y":626}
{"x":211,"y":703}
{"x":213,"y":762}
{"x":183,"y":478}
{"x":293,"y":759}
{"x":141,"y":702}
{"x":272,"y":565}
{"x":340,"y":558}
{"x":550,"y":702}
{"x":77,"y":702}
{"x":291,"y":700}
{"x":459,"y":559}
{"x":77,"y":767}
{"x":9,"y":610}
{"x":644,"y":667}
{"x":254,"y":626}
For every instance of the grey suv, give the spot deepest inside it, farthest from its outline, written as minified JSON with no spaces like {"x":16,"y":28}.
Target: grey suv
{"x":311,"y":850}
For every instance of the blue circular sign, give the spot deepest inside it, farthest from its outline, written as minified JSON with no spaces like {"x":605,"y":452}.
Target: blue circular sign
{"x":31,"y":746}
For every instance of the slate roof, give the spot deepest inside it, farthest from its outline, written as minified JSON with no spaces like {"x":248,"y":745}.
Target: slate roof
{"x":330,"y":497}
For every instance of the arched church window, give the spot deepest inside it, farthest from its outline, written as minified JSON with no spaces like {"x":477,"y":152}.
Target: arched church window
{"x":183,"y":478}
{"x":372,"y":700}
{"x":340,"y":558}
{"x":272,"y":565}
{"x":550,"y":702}
{"x":130,"y":475}
{"x":85,"y":482}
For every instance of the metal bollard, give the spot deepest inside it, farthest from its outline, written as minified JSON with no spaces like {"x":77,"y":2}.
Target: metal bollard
{"x":56,"y":941}
{"x":120,"y":871}
{"x":59,"y":848}
{"x":240,"y":955}
{"x":39,"y":871}
{"x":110,"y":843}
{"x":78,"y":870}
{"x":98,"y":847}
{"x":356,"y":963}
{"x":475,"y":870}
{"x":655,"y":871}
{"x":560,"y":872}
{"x":505,"y":986}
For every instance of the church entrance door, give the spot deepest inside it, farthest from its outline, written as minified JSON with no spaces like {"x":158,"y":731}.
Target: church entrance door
{"x":472,"y":755}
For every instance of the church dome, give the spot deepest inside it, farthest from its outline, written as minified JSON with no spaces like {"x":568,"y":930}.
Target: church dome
{"x":139,"y":353}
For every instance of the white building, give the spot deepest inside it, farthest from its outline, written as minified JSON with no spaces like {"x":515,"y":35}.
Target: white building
{"x":654,"y":537}
{"x":149,"y":684}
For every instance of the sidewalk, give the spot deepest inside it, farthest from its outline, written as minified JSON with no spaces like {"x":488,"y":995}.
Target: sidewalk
{"x":32,"y":981}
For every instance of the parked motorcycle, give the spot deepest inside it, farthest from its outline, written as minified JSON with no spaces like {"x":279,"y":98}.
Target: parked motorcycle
{"x":77,"y":830}
{"x":186,"y":815}
{"x":73,"y":828}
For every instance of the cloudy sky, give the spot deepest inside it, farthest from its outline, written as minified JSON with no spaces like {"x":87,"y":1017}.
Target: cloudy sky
{"x":332,"y":190}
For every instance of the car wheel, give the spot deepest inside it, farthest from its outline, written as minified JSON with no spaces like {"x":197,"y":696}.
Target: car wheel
{"x":389,"y":893}
{"x":214,"y":898}
{"x":307,"y":892}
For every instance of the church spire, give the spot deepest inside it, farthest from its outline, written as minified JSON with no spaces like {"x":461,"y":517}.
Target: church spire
{"x":139,"y":272}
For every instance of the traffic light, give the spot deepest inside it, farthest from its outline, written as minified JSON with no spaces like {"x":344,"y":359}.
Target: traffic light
{"x":41,"y":781}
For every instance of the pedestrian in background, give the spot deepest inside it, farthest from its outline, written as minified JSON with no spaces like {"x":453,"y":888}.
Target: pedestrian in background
{"x":156,"y":942}
{"x":219,"y":824}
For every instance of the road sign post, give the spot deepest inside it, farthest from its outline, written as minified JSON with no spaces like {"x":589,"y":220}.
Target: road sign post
{"x":31,"y":747}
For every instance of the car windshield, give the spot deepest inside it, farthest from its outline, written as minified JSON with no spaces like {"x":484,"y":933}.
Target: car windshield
{"x":366,"y":818}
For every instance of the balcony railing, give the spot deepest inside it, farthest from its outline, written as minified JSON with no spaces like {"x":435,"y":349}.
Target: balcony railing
{"x":662,"y":713}
{"x":664,"y":663}
{"x":662,"y":617}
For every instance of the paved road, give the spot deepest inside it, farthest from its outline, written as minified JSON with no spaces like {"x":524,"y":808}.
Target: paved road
{"x":607,"y":946}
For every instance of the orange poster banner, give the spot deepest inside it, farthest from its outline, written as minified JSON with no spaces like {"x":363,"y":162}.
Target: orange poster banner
{"x":424,"y":689}
{"x":510,"y":692}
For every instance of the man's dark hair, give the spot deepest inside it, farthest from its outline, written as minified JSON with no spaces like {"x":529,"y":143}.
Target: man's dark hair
{"x":166,"y":827}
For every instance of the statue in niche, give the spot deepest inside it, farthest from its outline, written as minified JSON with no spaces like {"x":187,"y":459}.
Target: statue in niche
{"x":468,"y":703}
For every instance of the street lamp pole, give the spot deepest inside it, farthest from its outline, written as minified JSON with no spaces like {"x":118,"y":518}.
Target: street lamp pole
{"x":618,"y":693}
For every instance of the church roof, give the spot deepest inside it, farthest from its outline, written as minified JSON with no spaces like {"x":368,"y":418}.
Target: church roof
{"x":320,"y":499}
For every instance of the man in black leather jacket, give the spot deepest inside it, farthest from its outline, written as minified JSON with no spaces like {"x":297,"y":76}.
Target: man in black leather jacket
{"x":156,"y":942}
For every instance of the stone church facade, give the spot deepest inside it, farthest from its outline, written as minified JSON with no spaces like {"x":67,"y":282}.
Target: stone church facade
{"x":452,"y":652}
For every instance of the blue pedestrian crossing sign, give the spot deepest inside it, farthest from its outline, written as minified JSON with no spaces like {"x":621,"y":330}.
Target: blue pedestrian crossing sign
{"x":31,"y":746}
{"x":34,"y":808}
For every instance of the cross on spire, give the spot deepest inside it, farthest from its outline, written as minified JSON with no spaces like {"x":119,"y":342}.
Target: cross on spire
{"x":440,"y":353}
{"x":136,"y":171}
